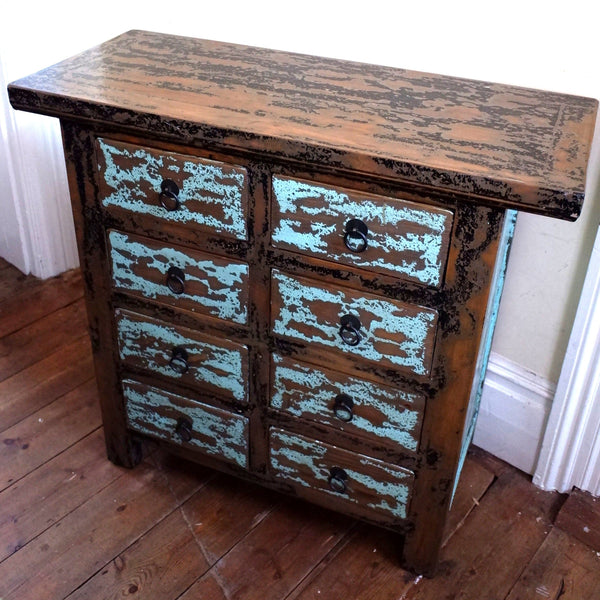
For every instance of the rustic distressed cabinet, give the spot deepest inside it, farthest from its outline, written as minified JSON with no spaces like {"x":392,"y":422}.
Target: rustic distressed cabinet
{"x":293,"y":264}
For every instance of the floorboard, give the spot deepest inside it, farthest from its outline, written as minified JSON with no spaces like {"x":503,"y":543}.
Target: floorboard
{"x":72,"y":525}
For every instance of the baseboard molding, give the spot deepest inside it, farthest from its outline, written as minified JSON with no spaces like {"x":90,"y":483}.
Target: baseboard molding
{"x":515,"y":406}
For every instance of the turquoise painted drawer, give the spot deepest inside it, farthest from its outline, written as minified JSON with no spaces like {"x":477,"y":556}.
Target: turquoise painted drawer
{"x":173,"y":187}
{"x":387,"y":235}
{"x":184,"y":278}
{"x":321,"y":470}
{"x":214,"y":364}
{"x":186,"y":422}
{"x":382,"y":414}
{"x":392,"y":334}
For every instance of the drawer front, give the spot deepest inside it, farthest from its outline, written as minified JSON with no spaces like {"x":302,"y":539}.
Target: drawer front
{"x":209,"y":195}
{"x":392,"y":334}
{"x":380,"y":413}
{"x":348,"y":477}
{"x":182,"y":354}
{"x":210,"y":285}
{"x":186,"y":422}
{"x":397,"y":237}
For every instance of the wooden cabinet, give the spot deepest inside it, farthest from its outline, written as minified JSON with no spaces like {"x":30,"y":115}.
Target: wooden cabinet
{"x":293,"y":264}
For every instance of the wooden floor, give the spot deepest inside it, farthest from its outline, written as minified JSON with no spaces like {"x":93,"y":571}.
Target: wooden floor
{"x":72,"y":525}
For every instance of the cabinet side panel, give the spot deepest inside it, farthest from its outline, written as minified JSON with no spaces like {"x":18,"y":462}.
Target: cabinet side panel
{"x":486,"y":339}
{"x":473,"y":252}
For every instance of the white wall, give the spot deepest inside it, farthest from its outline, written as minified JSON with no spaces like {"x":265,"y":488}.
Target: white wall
{"x":541,"y":44}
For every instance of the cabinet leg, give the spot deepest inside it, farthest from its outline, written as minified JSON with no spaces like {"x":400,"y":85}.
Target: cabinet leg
{"x":124,"y":451}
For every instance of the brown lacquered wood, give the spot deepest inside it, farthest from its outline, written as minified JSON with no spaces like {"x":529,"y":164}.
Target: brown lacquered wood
{"x":240,"y":253}
{"x":515,"y":146}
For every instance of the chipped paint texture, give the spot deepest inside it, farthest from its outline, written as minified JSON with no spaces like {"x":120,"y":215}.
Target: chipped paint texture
{"x":221,"y":285}
{"x":214,"y":431}
{"x":211,"y":193}
{"x":396,"y":334}
{"x":489,"y":324}
{"x":149,"y":344}
{"x":383,"y":412}
{"x":404,"y":238}
{"x":386,"y":488}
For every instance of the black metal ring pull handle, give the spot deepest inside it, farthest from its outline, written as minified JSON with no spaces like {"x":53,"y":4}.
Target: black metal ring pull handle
{"x":350,"y":330}
{"x":342,"y":407}
{"x":176,"y":280}
{"x":337,"y":480}
{"x":179,"y":360}
{"x":184,"y":428}
{"x":355,"y":236}
{"x":169,"y":195}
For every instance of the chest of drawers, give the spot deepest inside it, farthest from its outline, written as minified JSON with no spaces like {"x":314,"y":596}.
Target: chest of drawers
{"x":293,"y":264}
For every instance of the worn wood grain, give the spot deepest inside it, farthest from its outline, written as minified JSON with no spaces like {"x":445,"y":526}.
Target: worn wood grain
{"x":274,"y":557}
{"x":563,"y":568}
{"x":34,"y":342}
{"x":62,"y":558}
{"x":43,"y":382}
{"x":39,"y":437}
{"x":580,"y":518}
{"x":433,"y":130}
{"x":474,"y":482}
{"x":485,"y":556}
{"x":366,"y":565}
{"x":45,"y":495}
{"x":36,"y":300}
{"x":168,"y":559}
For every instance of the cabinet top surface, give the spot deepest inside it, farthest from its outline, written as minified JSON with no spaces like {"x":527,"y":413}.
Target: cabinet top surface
{"x":502,"y":145}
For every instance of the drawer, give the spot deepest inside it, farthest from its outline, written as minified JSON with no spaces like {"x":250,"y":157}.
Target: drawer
{"x":184,"y":278}
{"x":318,"y":469}
{"x":390,"y":333}
{"x":186,"y":422}
{"x":380,"y":413}
{"x":217,"y":365}
{"x":386,"y":235}
{"x":199,"y":193}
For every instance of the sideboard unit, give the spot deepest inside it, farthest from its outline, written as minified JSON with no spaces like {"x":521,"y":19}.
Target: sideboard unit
{"x":293,"y":264}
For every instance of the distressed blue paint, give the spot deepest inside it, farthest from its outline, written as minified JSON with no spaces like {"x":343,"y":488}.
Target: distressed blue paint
{"x":425,"y":242}
{"x":308,"y":392}
{"x":216,"y":432}
{"x":291,"y":454}
{"x":223,"y":283}
{"x":485,"y":345}
{"x":204,"y":185}
{"x":151,"y":342}
{"x":387,"y":319}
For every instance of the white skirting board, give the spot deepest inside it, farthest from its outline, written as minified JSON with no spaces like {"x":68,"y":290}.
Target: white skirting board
{"x":515,"y":405}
